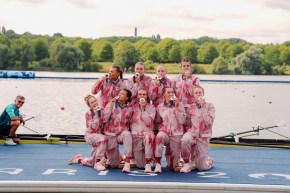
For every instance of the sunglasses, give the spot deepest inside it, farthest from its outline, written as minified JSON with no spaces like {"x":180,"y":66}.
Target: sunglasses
{"x":20,"y":102}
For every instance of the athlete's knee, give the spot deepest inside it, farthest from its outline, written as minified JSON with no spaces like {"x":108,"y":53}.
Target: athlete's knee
{"x":15,"y":123}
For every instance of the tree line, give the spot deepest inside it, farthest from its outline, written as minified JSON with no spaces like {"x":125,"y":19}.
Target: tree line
{"x":58,"y":53}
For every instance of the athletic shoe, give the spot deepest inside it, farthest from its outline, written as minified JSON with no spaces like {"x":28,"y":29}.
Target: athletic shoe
{"x":75,"y":159}
{"x":209,"y":162}
{"x":99,"y":166}
{"x":16,"y":140}
{"x":148,"y":168}
{"x":186,"y":168}
{"x":87,"y":162}
{"x":126,"y":167}
{"x":158,"y":168}
{"x":10,"y":142}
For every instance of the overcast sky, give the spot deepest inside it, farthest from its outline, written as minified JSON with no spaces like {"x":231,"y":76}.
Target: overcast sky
{"x":256,"y":21}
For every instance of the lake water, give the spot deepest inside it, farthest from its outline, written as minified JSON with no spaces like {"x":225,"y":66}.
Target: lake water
{"x":239,"y":106}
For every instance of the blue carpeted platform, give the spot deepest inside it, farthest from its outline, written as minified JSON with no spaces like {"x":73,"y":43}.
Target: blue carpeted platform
{"x":232,"y":165}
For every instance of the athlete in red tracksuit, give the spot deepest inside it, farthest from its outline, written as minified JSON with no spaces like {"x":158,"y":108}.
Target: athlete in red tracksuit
{"x":171,"y":116}
{"x":157,"y":84}
{"x":138,"y":81}
{"x":156,"y":95}
{"x":109,"y":87}
{"x":93,"y":136}
{"x":142,"y":131}
{"x":116,"y":117}
{"x":198,"y":134}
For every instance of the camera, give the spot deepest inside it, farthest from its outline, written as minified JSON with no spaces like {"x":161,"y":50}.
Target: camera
{"x":142,"y":100}
{"x":98,"y":108}
{"x":137,"y":74}
{"x":107,"y":75}
{"x":159,"y":77}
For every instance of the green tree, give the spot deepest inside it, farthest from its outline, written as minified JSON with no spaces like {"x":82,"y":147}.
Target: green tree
{"x":207,"y":53}
{"x":23,"y":51}
{"x":53,"y":48}
{"x":5,"y":40}
{"x":232,"y":51}
{"x":189,"y":49}
{"x":11,"y":34}
{"x":86,"y":47}
{"x":174,"y":54}
{"x":126,"y":55}
{"x":286,"y":43}
{"x":206,"y":39}
{"x":152,"y":54}
{"x":5,"y":56}
{"x":222,"y":47}
{"x":68,"y":57}
{"x":272,"y":55}
{"x":143,"y":46}
{"x":249,"y":62}
{"x":103,"y":51}
{"x":163,"y":48}
{"x":219,"y":66}
{"x":285,"y":55}
{"x":40,"y":46}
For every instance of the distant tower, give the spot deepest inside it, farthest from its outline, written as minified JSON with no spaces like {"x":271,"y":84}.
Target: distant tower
{"x":135,"y":32}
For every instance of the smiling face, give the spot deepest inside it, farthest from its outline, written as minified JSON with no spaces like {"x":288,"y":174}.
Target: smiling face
{"x":161,"y":70}
{"x":168,"y":93}
{"x":19,"y":101}
{"x":140,"y":68}
{"x":123,"y":96}
{"x":92,"y":102}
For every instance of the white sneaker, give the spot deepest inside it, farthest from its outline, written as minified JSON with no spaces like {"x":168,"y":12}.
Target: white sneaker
{"x":148,"y":168}
{"x":75,"y":159}
{"x":158,"y":168}
{"x":87,"y":162}
{"x":99,"y":166}
{"x":186,"y":168}
{"x":209,"y":162}
{"x":9,"y":141}
{"x":126,"y":167}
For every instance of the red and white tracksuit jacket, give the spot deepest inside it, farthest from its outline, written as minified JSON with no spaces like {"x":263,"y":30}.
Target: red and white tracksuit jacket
{"x":93,"y":136}
{"x":171,"y":120}
{"x":134,"y":87}
{"x":142,"y":133}
{"x":107,"y":90}
{"x":116,"y":128}
{"x":198,"y":134}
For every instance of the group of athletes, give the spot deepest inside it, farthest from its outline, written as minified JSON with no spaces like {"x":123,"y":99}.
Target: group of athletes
{"x":145,"y":115}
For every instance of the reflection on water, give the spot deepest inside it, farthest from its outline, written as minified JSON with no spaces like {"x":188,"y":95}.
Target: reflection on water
{"x":239,"y":106}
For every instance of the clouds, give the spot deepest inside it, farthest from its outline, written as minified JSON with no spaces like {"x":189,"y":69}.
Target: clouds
{"x":279,"y":4}
{"x":255,"y":21}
